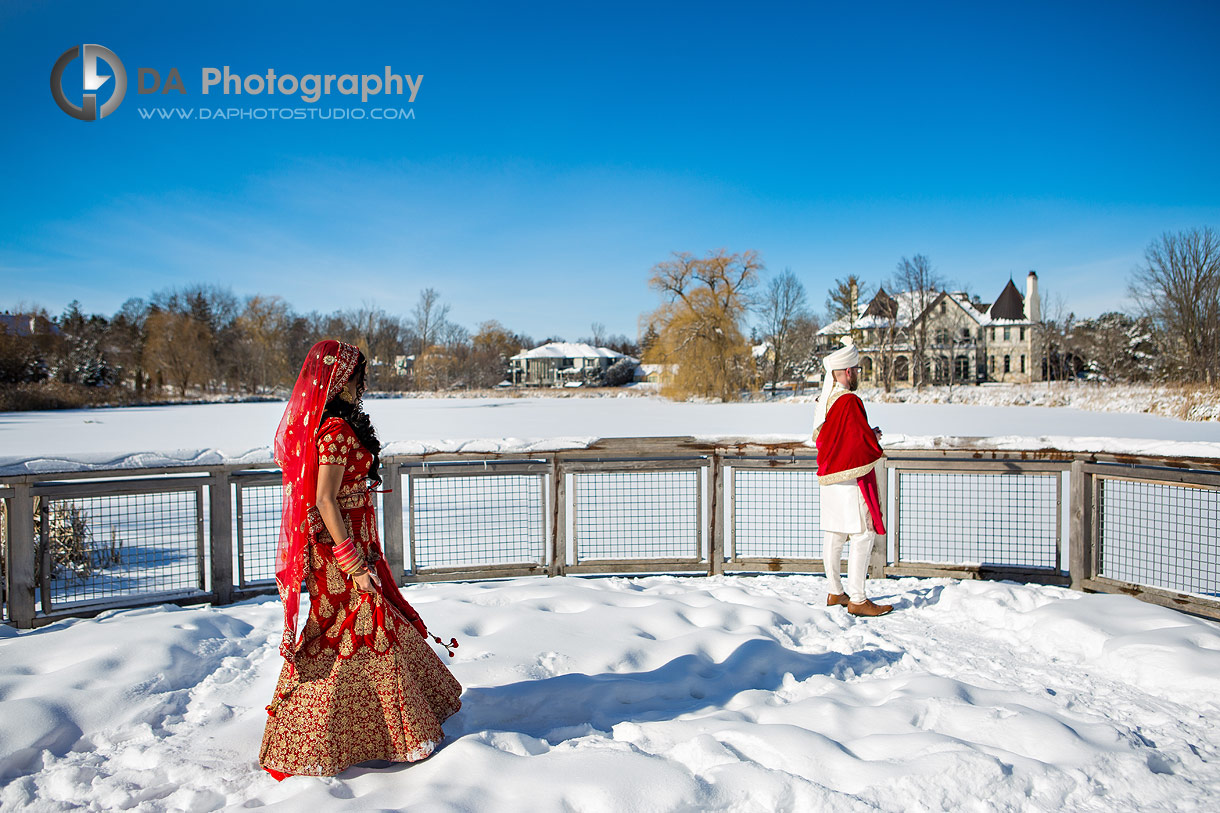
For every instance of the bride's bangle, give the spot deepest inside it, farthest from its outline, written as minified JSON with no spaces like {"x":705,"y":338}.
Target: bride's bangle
{"x":349,"y":562}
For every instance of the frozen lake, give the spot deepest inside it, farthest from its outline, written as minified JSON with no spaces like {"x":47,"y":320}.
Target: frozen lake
{"x":218,"y":432}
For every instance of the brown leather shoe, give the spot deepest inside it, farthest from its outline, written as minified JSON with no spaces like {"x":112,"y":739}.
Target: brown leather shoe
{"x":837,"y":600}
{"x":867,"y":608}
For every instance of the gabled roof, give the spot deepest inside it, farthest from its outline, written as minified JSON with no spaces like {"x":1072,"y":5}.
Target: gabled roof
{"x":972,"y":309}
{"x":1009,"y":304}
{"x":883,"y":305}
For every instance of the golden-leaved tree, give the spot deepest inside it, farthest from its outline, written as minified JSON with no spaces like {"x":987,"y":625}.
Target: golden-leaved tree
{"x":698,"y":327}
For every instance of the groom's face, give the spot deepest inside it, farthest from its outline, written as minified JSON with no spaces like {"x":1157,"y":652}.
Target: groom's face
{"x":849,"y":378}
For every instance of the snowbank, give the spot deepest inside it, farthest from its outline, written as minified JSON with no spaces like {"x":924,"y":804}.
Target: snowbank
{"x":655,"y":694}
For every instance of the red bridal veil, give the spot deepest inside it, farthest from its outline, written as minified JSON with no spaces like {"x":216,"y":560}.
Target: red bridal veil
{"x":326,"y":370}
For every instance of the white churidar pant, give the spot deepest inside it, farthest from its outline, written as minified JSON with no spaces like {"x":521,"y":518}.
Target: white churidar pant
{"x":845,"y":518}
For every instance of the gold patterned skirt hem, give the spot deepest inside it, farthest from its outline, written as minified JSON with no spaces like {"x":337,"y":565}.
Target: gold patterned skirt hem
{"x":417,"y":754}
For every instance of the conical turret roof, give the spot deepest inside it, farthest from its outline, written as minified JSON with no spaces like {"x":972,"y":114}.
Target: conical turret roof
{"x":1009,"y":304}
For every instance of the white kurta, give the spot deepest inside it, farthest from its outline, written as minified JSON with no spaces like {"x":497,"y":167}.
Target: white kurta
{"x":846,"y":520}
{"x":843,"y":508}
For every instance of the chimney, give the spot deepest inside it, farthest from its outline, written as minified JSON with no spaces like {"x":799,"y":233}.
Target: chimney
{"x":1033,"y":309}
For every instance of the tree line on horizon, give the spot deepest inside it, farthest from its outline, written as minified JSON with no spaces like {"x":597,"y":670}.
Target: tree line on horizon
{"x":202,"y":339}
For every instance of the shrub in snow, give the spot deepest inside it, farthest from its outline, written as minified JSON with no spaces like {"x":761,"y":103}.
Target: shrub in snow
{"x":620,"y":373}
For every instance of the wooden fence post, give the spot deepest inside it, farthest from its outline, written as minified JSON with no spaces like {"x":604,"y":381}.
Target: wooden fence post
{"x":220,"y":502}
{"x":559,"y":519}
{"x":881,"y":548}
{"x":391,"y":523}
{"x":21,"y":552}
{"x":1080,"y":528}
{"x":715,"y":507}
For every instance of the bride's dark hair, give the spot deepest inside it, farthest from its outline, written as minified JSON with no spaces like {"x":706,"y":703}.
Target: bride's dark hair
{"x":358,"y":420}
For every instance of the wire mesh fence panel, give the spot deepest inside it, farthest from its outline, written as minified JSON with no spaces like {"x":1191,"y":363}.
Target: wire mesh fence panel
{"x":486,"y":519}
{"x":120,"y":545}
{"x":258,"y":531}
{"x":636,"y":514}
{"x":776,"y":514}
{"x":1159,"y":535}
{"x":987,"y":519}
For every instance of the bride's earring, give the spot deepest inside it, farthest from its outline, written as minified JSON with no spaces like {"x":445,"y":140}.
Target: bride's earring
{"x":346,"y":395}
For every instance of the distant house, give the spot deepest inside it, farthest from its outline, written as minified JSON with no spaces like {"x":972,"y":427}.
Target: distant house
{"x":561,"y":363}
{"x":26,"y":324}
{"x":968,"y":341}
{"x":655,"y":373}
{"x":403,"y":365}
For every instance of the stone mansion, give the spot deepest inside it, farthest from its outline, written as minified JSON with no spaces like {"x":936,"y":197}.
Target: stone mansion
{"x":967,"y":341}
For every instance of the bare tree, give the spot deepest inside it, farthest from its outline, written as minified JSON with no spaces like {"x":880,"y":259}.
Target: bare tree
{"x":1178,"y":288}
{"x":263,"y":325}
{"x":803,"y":347}
{"x":779,"y":308}
{"x":922,"y":283}
{"x":884,"y":310}
{"x":1049,"y":336}
{"x":178,"y":349}
{"x":428,"y":319}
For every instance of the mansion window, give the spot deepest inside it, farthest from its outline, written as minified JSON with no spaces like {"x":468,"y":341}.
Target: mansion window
{"x":1008,"y":363}
{"x":942,"y":335}
{"x":993,"y":364}
{"x":901,"y":368}
{"x":1022,"y":362}
{"x":1007,"y":334}
{"x":1021,"y":333}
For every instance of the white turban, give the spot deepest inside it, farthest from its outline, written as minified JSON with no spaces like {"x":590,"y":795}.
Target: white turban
{"x":842,"y":359}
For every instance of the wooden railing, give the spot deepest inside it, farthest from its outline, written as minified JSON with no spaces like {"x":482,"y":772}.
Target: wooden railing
{"x":80,"y":542}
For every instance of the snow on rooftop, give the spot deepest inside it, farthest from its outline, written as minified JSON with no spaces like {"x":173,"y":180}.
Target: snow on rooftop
{"x":908,"y":309}
{"x":568,"y":350}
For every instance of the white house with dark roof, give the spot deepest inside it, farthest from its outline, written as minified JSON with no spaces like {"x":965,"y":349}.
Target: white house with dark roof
{"x":968,"y":341}
{"x":561,"y":363}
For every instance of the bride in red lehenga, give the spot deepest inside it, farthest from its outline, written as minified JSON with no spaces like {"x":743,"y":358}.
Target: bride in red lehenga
{"x":362,"y":683}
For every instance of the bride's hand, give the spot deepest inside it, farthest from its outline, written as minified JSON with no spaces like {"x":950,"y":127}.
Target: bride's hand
{"x":367,"y":582}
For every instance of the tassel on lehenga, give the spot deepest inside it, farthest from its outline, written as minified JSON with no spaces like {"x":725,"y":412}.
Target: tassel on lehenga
{"x":449,"y":647}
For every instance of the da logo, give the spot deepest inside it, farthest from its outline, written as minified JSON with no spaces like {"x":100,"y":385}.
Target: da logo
{"x":89,"y":55}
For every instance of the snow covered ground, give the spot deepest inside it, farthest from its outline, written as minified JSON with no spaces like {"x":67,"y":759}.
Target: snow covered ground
{"x":217,"y":433}
{"x":654,"y":694}
{"x":660,"y":693}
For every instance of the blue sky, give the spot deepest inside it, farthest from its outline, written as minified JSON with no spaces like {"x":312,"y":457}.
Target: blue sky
{"x":559,"y":150}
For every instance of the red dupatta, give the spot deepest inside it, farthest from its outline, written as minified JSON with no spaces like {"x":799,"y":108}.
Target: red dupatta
{"x":326,"y":370}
